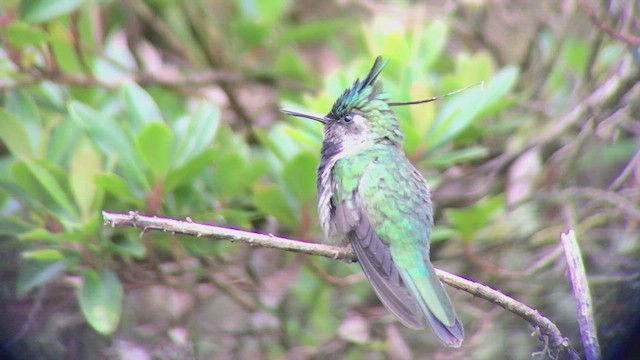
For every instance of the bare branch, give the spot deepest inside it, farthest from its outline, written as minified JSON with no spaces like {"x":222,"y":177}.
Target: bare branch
{"x":602,"y":25}
{"x":187,"y":80}
{"x":557,"y":345}
{"x":578,"y":279}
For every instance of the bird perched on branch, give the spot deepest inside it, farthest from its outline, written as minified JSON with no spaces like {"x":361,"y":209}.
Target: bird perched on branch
{"x":371,"y":196}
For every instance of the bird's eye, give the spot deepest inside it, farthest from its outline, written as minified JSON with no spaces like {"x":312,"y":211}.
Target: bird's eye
{"x":348,"y":118}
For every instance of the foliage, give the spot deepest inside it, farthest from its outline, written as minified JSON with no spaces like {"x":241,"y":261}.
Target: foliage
{"x":171,"y":110}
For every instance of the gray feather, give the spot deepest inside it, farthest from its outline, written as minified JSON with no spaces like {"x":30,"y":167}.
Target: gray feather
{"x":375,"y":259}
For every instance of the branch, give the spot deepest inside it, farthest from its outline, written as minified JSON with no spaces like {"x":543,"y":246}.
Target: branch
{"x":578,"y":278}
{"x":188,"y":80}
{"x":602,"y":25}
{"x":558,"y":346}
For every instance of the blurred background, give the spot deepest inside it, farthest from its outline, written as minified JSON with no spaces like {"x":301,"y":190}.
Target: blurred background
{"x":170,"y":108}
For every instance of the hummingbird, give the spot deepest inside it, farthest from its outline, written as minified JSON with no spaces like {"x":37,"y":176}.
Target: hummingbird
{"x":371,"y":197}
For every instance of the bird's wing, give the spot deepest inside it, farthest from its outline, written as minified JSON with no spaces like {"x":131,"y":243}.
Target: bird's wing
{"x":350,"y":220}
{"x":387,"y":219}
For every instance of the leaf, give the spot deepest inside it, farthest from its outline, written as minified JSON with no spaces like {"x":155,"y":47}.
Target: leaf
{"x":457,"y":156}
{"x":441,"y":233}
{"x":141,"y":107}
{"x":469,"y":220}
{"x":21,"y":104}
{"x":271,"y":200}
{"x":493,"y":96}
{"x":289,"y":65}
{"x":51,"y":185}
{"x":195,"y":133}
{"x":14,"y":135}
{"x":433,"y":40}
{"x":454,"y":117}
{"x":188,"y":171}
{"x":21,"y":35}
{"x":130,"y":247}
{"x":110,"y":138}
{"x":100,"y":298}
{"x":85,"y":164}
{"x":154,"y":147}
{"x":115,"y":185}
{"x":253,"y":34}
{"x":38,"y":267}
{"x":234,"y":173}
{"x":311,"y":31}
{"x":18,"y":192}
{"x":62,"y":140}
{"x":270,"y":12}
{"x":299,"y":174}
{"x":13,"y":226}
{"x":63,"y":50}
{"x":43,"y":10}
{"x":40,"y":234}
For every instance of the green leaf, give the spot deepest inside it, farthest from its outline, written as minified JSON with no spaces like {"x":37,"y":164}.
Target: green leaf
{"x":441,"y":233}
{"x":252,"y":34}
{"x":117,"y":186}
{"x":110,"y":138}
{"x":476,"y":68}
{"x":141,"y":107}
{"x":469,"y":220}
{"x":21,"y":34}
{"x":43,"y":10}
{"x":63,"y":50}
{"x":299,"y":175}
{"x":38,"y":267}
{"x":100,"y":298}
{"x":271,"y":200}
{"x":131,"y":247}
{"x":62,"y":140}
{"x":500,"y":85}
{"x":18,"y":192}
{"x":311,"y":31}
{"x":454,"y":157}
{"x":271,"y":11}
{"x":154,"y":147}
{"x":199,"y":246}
{"x":11,"y":225}
{"x":85,"y":164}
{"x":187,"y":172}
{"x":196,"y":132}
{"x":454,"y":117}
{"x":43,"y":235}
{"x":14,"y":135}
{"x":230,"y":177}
{"x":21,"y":104}
{"x":433,"y":40}
{"x":51,"y":185}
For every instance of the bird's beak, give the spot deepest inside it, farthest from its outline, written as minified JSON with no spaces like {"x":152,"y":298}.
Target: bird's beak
{"x":317,"y":117}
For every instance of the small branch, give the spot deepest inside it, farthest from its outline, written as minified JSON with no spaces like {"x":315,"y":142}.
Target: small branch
{"x":602,"y":25}
{"x":588,"y":332}
{"x":558,"y":346}
{"x":188,"y":80}
{"x":254,"y":239}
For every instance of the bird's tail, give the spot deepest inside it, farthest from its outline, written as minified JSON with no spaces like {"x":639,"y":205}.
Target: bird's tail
{"x":435,"y":304}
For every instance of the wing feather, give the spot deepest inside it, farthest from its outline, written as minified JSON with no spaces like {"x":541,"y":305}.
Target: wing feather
{"x":375,"y":259}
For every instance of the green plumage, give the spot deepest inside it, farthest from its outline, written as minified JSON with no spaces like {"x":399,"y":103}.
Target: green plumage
{"x":371,"y":196}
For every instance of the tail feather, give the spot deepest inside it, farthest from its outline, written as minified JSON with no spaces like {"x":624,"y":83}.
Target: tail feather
{"x":436,"y":307}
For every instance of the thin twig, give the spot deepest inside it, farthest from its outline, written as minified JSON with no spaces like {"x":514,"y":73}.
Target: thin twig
{"x":191,"y":79}
{"x":31,"y":318}
{"x":588,"y":332}
{"x":602,"y":25}
{"x":557,"y":345}
{"x":632,"y":165}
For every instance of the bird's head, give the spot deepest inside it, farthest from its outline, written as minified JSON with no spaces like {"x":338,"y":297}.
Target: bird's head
{"x":361,"y":114}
